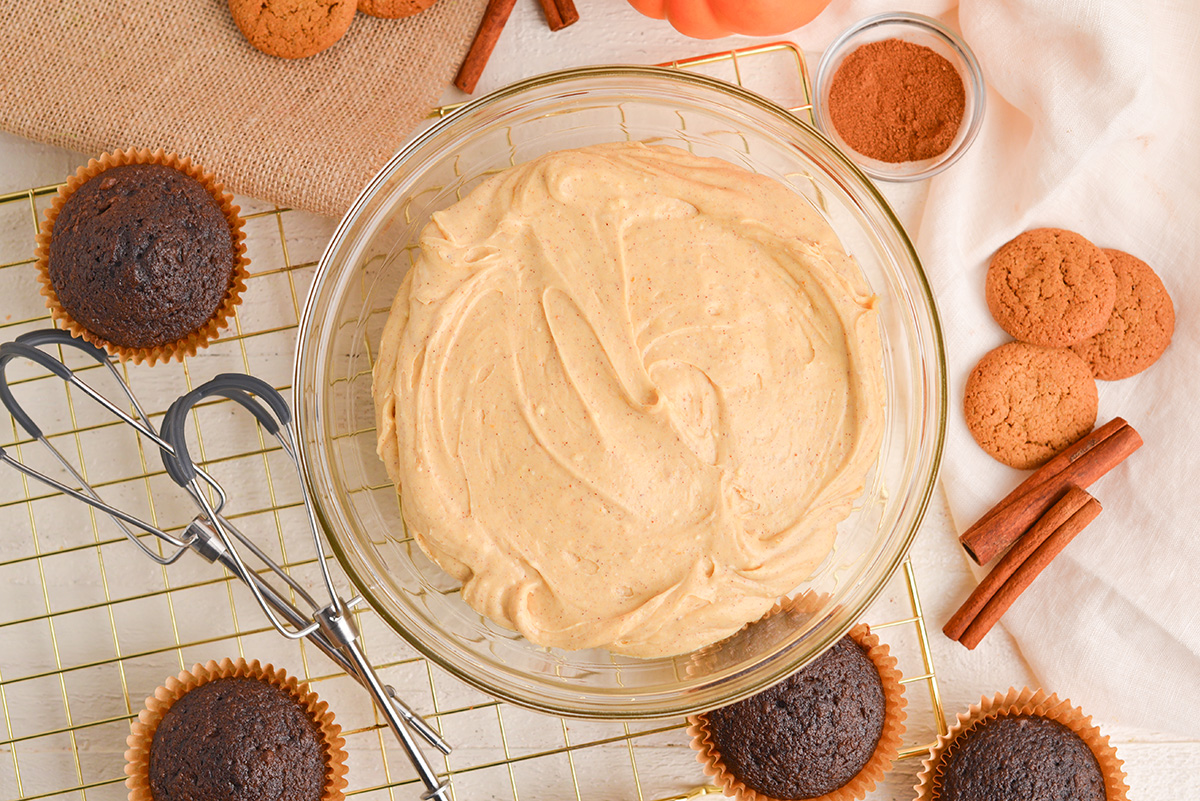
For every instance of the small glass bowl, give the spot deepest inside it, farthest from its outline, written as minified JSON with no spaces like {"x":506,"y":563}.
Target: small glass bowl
{"x":918,"y":30}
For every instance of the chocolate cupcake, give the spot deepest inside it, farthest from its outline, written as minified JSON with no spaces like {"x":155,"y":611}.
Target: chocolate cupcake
{"x":142,"y":254}
{"x":1023,"y":744}
{"x":237,"y":731}
{"x":829,"y":731}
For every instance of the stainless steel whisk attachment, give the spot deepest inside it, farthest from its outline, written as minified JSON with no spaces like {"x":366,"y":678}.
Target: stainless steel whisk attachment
{"x":330,"y":626}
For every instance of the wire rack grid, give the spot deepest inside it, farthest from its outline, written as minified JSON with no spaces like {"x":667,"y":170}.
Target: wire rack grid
{"x":88,"y":627}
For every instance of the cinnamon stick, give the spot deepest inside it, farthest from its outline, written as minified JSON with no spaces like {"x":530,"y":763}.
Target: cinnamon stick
{"x":490,"y":27}
{"x":1011,"y":589}
{"x":559,"y":13}
{"x":1058,"y":514}
{"x":1053,"y":467}
{"x":1081,"y":465}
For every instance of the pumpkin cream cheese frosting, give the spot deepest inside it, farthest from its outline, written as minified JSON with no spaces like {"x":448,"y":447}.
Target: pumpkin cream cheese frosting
{"x":627,"y":394}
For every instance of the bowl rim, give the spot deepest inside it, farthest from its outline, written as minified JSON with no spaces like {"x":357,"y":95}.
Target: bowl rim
{"x":974,"y":112}
{"x":646,"y":705}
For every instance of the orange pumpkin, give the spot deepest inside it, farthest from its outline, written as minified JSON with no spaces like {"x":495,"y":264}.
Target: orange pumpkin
{"x":710,"y":19}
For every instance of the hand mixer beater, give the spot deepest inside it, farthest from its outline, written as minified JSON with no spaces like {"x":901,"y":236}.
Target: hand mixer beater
{"x":330,"y":625}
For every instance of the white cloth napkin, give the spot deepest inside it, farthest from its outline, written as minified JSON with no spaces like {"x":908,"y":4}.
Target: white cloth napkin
{"x":1091,"y":125}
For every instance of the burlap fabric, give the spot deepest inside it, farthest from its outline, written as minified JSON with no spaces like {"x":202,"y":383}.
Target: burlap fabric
{"x":94,"y":75}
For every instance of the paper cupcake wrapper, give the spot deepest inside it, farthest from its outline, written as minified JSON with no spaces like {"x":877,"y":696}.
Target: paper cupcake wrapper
{"x":1024,"y":702}
{"x":188,"y":345}
{"x":137,"y":755}
{"x":726,"y":653}
{"x":886,"y":750}
{"x":807,"y":602}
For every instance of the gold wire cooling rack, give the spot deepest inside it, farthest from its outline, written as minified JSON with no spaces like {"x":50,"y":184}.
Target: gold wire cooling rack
{"x":88,"y":628}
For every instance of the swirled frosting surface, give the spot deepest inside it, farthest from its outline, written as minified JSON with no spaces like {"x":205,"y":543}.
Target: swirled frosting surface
{"x":627,"y":394}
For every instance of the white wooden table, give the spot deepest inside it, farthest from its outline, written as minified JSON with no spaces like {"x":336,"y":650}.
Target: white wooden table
{"x":1158,"y":765}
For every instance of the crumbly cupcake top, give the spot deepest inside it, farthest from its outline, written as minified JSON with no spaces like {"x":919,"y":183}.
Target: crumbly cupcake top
{"x":236,"y":739}
{"x":811,"y":733}
{"x":141,"y":255}
{"x":1022,"y":756}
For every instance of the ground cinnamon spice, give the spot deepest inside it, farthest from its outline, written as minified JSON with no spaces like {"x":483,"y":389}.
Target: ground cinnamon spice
{"x":897,"y":101}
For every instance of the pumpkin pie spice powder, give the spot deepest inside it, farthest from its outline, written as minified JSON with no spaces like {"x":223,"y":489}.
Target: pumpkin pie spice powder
{"x":896,"y":101}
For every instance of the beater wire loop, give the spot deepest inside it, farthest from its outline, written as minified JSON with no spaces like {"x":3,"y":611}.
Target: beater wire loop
{"x":329,"y":625}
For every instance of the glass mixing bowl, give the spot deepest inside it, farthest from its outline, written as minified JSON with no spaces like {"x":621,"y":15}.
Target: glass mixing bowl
{"x":352,"y":293}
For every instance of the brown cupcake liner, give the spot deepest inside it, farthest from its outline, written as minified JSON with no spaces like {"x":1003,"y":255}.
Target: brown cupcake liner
{"x":808,"y":602}
{"x":886,"y":750}
{"x":724,"y":653}
{"x":188,"y":345}
{"x":137,"y":755}
{"x":1024,"y":702}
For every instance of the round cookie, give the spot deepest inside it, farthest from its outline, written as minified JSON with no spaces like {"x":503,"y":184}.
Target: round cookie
{"x":393,"y":9}
{"x":1050,"y":287}
{"x":292,"y":28}
{"x":1025,"y":403}
{"x":1141,"y":324}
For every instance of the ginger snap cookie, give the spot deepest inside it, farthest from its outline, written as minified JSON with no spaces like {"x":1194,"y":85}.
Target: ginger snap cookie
{"x":292,"y":28}
{"x":393,"y":9}
{"x":1141,"y":324}
{"x":1025,"y":403}
{"x":1051,"y":287}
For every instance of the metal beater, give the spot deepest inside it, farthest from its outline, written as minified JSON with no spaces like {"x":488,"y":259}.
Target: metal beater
{"x":329,"y":626}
